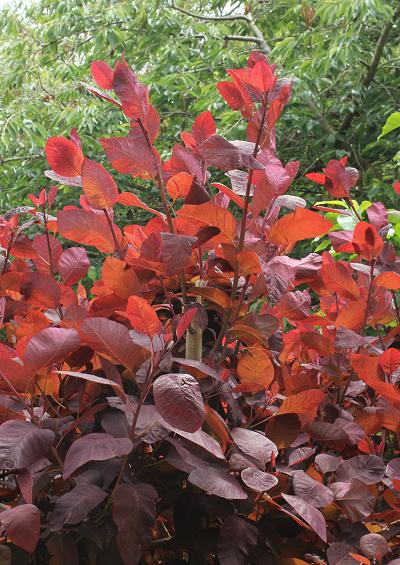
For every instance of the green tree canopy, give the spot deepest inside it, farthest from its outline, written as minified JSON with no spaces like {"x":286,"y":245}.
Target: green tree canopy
{"x":342,"y":56}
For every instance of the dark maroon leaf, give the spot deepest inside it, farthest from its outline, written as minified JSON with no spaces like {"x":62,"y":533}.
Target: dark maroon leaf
{"x":258,"y":480}
{"x":62,"y":550}
{"x":73,"y":506}
{"x":134,"y":513}
{"x":131,"y":155}
{"x":315,"y":493}
{"x":94,"y":447}
{"x":255,"y":445}
{"x":368,"y":469}
{"x":309,"y":514}
{"x":204,"y":234}
{"x":179,"y":401}
{"x":374,"y":546}
{"x":5,"y":555}
{"x":23,"y":443}
{"x":221,"y":153}
{"x":218,"y":481}
{"x":22,"y":526}
{"x":356,"y":499}
{"x":237,"y":539}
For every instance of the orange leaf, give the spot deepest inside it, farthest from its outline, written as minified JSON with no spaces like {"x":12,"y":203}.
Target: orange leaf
{"x":130,"y":199}
{"x":304,"y":403}
{"x":337,"y":277}
{"x":255,"y":366}
{"x":367,"y":369}
{"x":120,"y":278}
{"x":210,"y":214}
{"x":249,"y":263}
{"x":351,"y":316}
{"x":229,"y":193}
{"x":366,"y":241}
{"x":390,"y":280}
{"x":215,"y":295}
{"x":98,"y":185}
{"x":178,"y":185}
{"x":300,"y":224}
{"x":141,"y":316}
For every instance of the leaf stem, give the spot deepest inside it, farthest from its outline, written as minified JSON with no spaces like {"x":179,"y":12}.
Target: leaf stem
{"x":114,"y":235}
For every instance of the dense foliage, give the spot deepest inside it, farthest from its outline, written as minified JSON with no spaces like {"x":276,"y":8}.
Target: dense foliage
{"x":209,"y":399}
{"x":346,"y":84}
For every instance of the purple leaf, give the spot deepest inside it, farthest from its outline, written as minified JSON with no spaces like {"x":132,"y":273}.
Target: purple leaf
{"x":356,"y":499}
{"x":179,"y":401}
{"x":94,"y":447}
{"x":134,"y":513}
{"x":175,"y":251}
{"x":254,"y":445}
{"x":257,"y":480}
{"x":309,"y":514}
{"x":327,"y":463}
{"x":369,"y":469}
{"x":75,"y":505}
{"x":22,"y":444}
{"x":315,"y":493}
{"x":22,"y":526}
{"x":203,"y":442}
{"x":218,"y":481}
{"x":49,"y":346}
{"x":374,"y":546}
{"x":221,"y":153}
{"x":236,"y":540}
{"x":73,"y":265}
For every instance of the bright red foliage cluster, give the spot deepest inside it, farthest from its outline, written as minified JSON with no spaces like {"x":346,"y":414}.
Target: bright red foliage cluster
{"x":209,"y":399}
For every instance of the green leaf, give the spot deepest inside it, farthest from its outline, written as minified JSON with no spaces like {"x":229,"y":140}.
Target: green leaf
{"x":392,"y":123}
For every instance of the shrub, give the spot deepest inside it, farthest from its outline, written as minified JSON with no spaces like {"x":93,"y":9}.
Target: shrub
{"x":208,"y":399}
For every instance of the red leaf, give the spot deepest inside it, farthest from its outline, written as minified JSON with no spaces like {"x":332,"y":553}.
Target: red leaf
{"x":87,"y":228}
{"x":203,"y":127}
{"x":98,"y":185}
{"x":130,"y":91}
{"x":73,"y":265}
{"x":132,"y":155}
{"x":49,"y":346}
{"x":300,"y":224}
{"x":396,"y":187}
{"x":141,"y":316}
{"x":179,"y":401}
{"x":64,"y":156}
{"x":112,"y":340}
{"x":22,"y":525}
{"x":338,"y":277}
{"x":102,"y":74}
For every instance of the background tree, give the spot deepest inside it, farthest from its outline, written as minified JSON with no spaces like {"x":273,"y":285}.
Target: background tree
{"x":343,"y":58}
